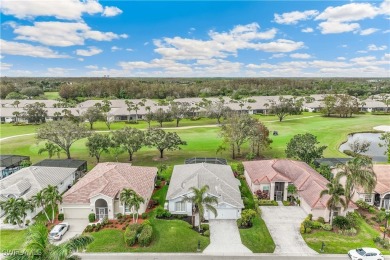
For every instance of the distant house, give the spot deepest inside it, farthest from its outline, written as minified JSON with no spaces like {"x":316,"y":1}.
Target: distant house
{"x":274,"y":176}
{"x":80,"y":165}
{"x":99,"y":190}
{"x":380,"y":197}
{"x":28,"y":181}
{"x":11,"y":163}
{"x":222,"y":185}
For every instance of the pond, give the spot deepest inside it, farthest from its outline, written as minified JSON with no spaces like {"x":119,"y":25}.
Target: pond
{"x":375,"y":151}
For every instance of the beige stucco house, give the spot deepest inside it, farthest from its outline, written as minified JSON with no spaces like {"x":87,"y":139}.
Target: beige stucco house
{"x":99,"y":190}
{"x":274,"y":176}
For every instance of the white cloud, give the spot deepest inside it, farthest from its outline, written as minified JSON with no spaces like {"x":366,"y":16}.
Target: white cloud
{"x":91,"y":51}
{"x":373,"y":47}
{"x":146,"y":43}
{"x":337,"y":27}
{"x":24,"y":49}
{"x":300,"y":56}
{"x":129,"y":49}
{"x":80,"y":59}
{"x":64,"y":9}
{"x":341,"y":58}
{"x":307,"y":30}
{"x":5,"y":66}
{"x":294,"y":17}
{"x":386,"y":56}
{"x":92,"y":67}
{"x":62,"y":34}
{"x":110,"y":11}
{"x":349,"y":12}
{"x":368,"y":31}
{"x":115,"y":48}
{"x":386,"y":31}
{"x":344,"y":46}
{"x":278,"y":55}
{"x":58,"y":72}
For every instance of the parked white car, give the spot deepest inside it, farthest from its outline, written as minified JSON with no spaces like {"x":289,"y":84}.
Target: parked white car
{"x":365,"y":253}
{"x":58,"y":231}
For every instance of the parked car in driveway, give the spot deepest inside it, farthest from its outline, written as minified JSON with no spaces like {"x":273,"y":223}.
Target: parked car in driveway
{"x":58,"y":231}
{"x":365,"y":253}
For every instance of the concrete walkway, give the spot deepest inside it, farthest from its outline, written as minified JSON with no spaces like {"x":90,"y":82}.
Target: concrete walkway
{"x":225,"y":239}
{"x":283,"y":223}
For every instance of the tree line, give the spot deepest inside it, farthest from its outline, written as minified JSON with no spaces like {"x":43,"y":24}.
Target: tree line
{"x":60,"y":136}
{"x":161,"y":88}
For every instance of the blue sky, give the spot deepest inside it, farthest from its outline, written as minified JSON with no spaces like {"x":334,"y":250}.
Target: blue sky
{"x":63,"y":38}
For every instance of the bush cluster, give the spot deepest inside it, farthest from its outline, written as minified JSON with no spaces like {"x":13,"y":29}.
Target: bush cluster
{"x":268,"y":203}
{"x":139,"y":233}
{"x":162,"y":213}
{"x":91,"y":217}
{"x":384,"y":243}
{"x":362,"y":204}
{"x":247,"y":217}
{"x":60,"y":217}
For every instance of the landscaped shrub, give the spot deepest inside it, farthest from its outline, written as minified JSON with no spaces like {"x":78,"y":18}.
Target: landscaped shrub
{"x":130,"y":237}
{"x":60,"y":217}
{"x":286,"y":203}
{"x":162,"y":213}
{"x":362,"y":204}
{"x":349,"y":232}
{"x":310,"y":216}
{"x":352,"y":218}
{"x":206,"y":233}
{"x":321,"y":220}
{"x":268,"y":203}
{"x":98,"y":227}
{"x":384,"y":243}
{"x":371,"y":209}
{"x":247,"y":217}
{"x":262,"y":195}
{"x":315,"y":225}
{"x":205,"y":227}
{"x":105,"y":221}
{"x":91,"y":217}
{"x":144,"y":215}
{"x":146,"y":222}
{"x":145,"y":237}
{"x":341,"y":222}
{"x":119,"y":216}
{"x":327,"y":227}
{"x":135,"y":227}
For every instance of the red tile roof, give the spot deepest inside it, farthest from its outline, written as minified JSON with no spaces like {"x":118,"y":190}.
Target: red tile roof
{"x":382,"y":173}
{"x":109,"y":179}
{"x":309,"y":183}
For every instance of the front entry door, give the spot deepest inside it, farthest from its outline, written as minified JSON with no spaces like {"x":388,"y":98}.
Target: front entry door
{"x":279,"y":195}
{"x":101,"y":213}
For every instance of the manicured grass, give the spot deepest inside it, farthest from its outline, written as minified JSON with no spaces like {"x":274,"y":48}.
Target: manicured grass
{"x":52,"y":95}
{"x":12,"y":239}
{"x":340,"y":244}
{"x":257,"y":238}
{"x":169,"y":236}
{"x":160,"y":195}
{"x":203,"y":142}
{"x":247,"y":195}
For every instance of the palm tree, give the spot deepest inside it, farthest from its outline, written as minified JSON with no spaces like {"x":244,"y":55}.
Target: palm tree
{"x":358,"y":173}
{"x":292,"y":189}
{"x":266,"y":105}
{"x":17,"y":115}
{"x":335,"y":191}
{"x":125,"y":197}
{"x":39,"y":201}
{"x":200,"y":201}
{"x":51,"y":149}
{"x":23,"y":206}
{"x":12,"y":212}
{"x":37,"y":243}
{"x":51,"y":197}
{"x":137,"y":200}
{"x":129,"y":105}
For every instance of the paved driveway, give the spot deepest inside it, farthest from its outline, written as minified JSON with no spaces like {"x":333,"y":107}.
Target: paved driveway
{"x":283,"y":223}
{"x":225,"y":239}
{"x":77,"y":227}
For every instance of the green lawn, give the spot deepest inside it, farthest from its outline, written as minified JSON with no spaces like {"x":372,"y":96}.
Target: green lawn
{"x":169,"y":236}
{"x":340,"y":244}
{"x":11,"y":239}
{"x":160,"y":195}
{"x":257,"y":238}
{"x":52,"y":95}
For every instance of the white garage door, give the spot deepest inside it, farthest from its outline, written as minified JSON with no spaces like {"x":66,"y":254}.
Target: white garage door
{"x":76,"y":213}
{"x":224,"y":214}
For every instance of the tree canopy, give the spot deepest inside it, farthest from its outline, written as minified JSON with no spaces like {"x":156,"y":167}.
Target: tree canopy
{"x":305,"y":148}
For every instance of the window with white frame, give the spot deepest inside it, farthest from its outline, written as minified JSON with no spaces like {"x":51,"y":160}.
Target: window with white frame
{"x":368,"y":198}
{"x":266,"y":188}
{"x":127,"y":209}
{"x":180,"y":206}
